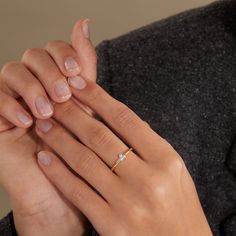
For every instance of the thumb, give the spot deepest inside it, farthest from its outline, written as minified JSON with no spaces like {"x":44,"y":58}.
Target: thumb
{"x":86,"y":52}
{"x":87,"y":55}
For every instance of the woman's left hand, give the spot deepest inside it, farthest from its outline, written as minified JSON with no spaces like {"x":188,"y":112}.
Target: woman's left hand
{"x":149,"y":193}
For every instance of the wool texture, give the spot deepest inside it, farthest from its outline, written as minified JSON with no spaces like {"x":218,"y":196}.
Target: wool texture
{"x":179,"y":75}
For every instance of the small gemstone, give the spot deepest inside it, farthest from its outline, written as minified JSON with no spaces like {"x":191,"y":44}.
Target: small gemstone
{"x":121,"y":156}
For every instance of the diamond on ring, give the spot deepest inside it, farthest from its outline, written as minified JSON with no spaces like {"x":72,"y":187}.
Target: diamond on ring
{"x":121,"y":157}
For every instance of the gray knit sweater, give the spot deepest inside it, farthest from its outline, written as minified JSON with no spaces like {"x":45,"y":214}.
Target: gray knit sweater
{"x":179,"y":74}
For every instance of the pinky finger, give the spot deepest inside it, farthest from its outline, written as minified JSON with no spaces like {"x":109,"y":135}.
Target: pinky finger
{"x":13,"y":112}
{"x":94,"y":207}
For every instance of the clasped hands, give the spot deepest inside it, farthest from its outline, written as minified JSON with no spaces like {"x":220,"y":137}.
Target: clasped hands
{"x":150,"y":193}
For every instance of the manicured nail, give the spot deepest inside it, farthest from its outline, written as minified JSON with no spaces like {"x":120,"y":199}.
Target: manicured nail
{"x":43,"y":106}
{"x":71,"y":64}
{"x":23,"y":118}
{"x":44,"y":125}
{"x":62,"y":89}
{"x":77,"y":82}
{"x":44,"y":158}
{"x":85,"y":28}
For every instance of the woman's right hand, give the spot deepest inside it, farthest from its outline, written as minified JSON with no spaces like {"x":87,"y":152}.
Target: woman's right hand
{"x":26,"y":91}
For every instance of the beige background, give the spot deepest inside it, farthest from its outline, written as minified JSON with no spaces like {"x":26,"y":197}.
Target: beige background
{"x":30,"y":23}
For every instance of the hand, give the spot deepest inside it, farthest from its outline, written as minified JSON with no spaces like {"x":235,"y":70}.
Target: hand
{"x":38,"y":208}
{"x":150,"y":193}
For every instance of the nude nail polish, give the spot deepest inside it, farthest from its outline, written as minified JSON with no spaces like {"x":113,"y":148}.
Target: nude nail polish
{"x":23,"y":118}
{"x":62,"y":89}
{"x":77,"y":82}
{"x":44,"y":125}
{"x":71,"y":64}
{"x":85,"y":28}
{"x":44,"y":158}
{"x":43,"y":106}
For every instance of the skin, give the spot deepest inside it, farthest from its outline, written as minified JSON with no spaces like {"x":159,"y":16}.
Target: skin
{"x":38,"y":207}
{"x":128,"y":200}
{"x":150,"y":193}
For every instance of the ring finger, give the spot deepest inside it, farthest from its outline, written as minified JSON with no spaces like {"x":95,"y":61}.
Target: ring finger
{"x":99,"y":138}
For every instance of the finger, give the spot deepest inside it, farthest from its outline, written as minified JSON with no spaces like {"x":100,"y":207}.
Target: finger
{"x":86,"y":52}
{"x":84,"y":162}
{"x":19,"y":79}
{"x":67,"y":60}
{"x":97,"y":137}
{"x":75,"y":190}
{"x":12,"y":111}
{"x":125,"y":123}
{"x":84,"y":107}
{"x":45,"y":69}
{"x":5,"y":125}
{"x":65,"y":57}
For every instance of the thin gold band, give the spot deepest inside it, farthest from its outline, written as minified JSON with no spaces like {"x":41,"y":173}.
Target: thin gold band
{"x":121,"y":157}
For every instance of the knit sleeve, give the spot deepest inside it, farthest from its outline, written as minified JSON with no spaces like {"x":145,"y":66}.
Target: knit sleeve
{"x":7,"y":227}
{"x":103,"y":66}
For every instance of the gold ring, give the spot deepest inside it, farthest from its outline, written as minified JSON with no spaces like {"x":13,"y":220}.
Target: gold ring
{"x":121,"y":157}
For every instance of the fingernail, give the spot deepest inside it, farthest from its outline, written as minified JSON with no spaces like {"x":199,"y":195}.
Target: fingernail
{"x":62,"y":89}
{"x":85,"y":28}
{"x":77,"y":82}
{"x":71,"y":64}
{"x":23,"y":118}
{"x":44,"y":125}
{"x":44,"y":158}
{"x":43,"y":106}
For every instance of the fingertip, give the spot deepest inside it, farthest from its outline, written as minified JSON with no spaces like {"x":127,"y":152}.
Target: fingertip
{"x":76,"y":27}
{"x":24,"y":118}
{"x":44,"y":158}
{"x":44,"y":107}
{"x":43,"y":126}
{"x":61,"y":91}
{"x":71,"y":66}
{"x":80,"y":31}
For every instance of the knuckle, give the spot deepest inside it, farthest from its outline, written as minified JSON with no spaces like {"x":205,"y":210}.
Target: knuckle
{"x":124,"y":117}
{"x":139,"y":213}
{"x":31,"y":52}
{"x":175,"y":165}
{"x":154,"y":189}
{"x":54,"y":43}
{"x":10,"y":67}
{"x":100,"y":136}
{"x":33,"y":86}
